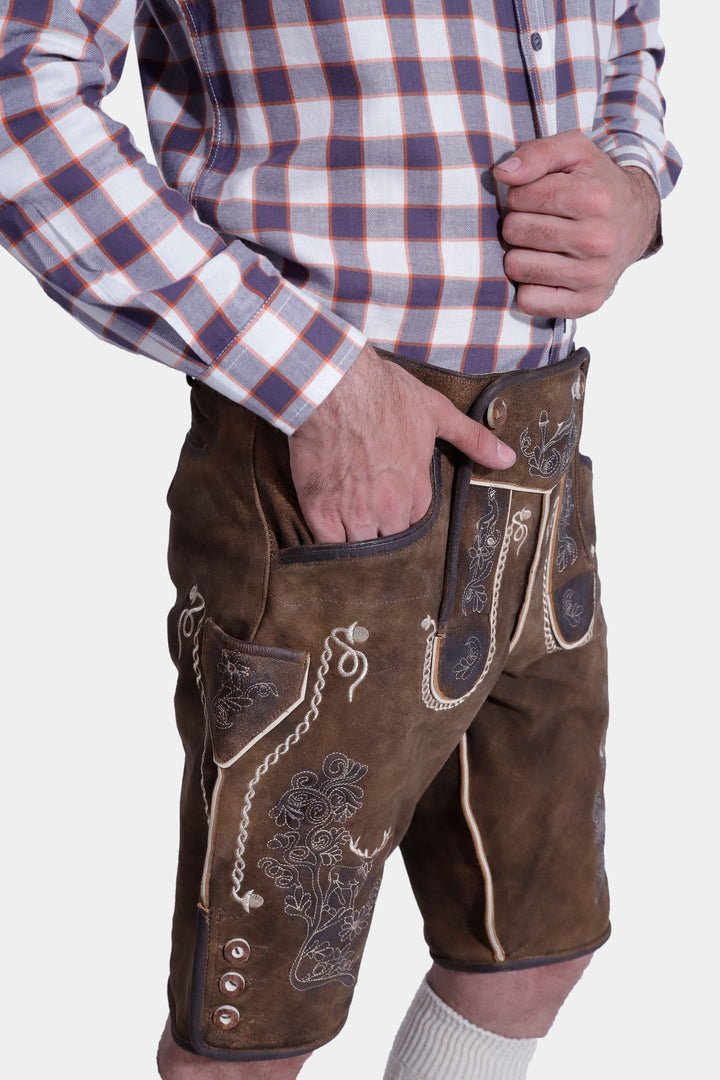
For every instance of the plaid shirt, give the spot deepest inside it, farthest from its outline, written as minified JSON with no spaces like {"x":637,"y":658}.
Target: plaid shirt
{"x":324,"y":173}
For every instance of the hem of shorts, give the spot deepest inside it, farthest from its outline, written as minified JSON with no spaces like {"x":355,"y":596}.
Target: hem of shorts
{"x":270,"y":1054}
{"x":521,"y":963}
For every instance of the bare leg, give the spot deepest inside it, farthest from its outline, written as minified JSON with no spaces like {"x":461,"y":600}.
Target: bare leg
{"x":463,"y":1024}
{"x":517,"y":1004}
{"x":174,"y":1063}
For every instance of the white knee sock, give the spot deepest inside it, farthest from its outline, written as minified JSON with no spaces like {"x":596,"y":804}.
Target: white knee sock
{"x":436,"y":1043}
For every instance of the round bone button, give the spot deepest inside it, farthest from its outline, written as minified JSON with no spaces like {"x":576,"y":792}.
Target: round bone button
{"x":226,"y":1017}
{"x":232,"y":983}
{"x":497,"y":413}
{"x":236,"y":950}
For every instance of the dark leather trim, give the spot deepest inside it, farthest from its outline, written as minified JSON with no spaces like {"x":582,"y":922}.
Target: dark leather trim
{"x":576,"y":359}
{"x":358,"y":549}
{"x":461,"y":487}
{"x":523,"y":964}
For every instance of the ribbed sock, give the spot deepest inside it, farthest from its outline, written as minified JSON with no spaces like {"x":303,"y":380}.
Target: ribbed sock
{"x":436,"y":1043}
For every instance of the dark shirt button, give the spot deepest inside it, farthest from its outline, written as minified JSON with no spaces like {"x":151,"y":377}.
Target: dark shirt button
{"x":536,"y":41}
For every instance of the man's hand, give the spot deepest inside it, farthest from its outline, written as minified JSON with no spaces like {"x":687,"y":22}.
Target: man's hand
{"x":575,"y":222}
{"x":361,"y":462}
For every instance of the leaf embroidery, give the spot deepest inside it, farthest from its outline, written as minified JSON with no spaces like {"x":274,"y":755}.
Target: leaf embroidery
{"x":238,"y":691}
{"x":308,"y":867}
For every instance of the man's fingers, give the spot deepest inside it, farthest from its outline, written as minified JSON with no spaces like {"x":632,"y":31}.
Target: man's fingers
{"x":578,"y":196}
{"x":325,"y":523}
{"x":557,"y":303}
{"x":422,"y":497}
{"x":555,"y":195}
{"x":553,"y":154}
{"x":540,"y":232}
{"x":473,"y":439}
{"x":363,"y":512}
{"x":576,"y":239}
{"x":549,"y":268}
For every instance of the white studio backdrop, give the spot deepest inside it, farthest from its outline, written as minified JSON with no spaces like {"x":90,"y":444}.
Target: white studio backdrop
{"x":92,"y":763}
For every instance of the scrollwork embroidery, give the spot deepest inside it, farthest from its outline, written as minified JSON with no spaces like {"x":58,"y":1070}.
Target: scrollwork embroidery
{"x":567,"y":550}
{"x":548,"y":456}
{"x":473,"y":655}
{"x":482,"y":556}
{"x":573,"y":612}
{"x":309,"y":867}
{"x":239,"y":689}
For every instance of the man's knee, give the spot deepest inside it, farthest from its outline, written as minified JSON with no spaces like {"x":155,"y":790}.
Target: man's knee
{"x":517,"y":1004}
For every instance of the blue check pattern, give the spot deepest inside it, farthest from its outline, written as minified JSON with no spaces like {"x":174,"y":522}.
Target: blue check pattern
{"x":324,"y":173}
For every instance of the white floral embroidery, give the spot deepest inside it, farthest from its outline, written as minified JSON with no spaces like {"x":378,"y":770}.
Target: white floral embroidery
{"x":350,"y":663}
{"x":520,"y":534}
{"x":330,"y":895}
{"x":430,"y":699}
{"x":239,"y":689}
{"x":566,"y":548}
{"x":548,"y":456}
{"x":553,"y":637}
{"x":573,"y":612}
{"x":482,"y":555}
{"x":472,"y":657}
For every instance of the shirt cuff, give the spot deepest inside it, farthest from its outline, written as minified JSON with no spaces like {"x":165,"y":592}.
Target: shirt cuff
{"x":287,"y":359}
{"x":627,"y":149}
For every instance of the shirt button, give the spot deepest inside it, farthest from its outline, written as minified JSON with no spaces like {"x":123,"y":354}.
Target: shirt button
{"x":232,"y":983}
{"x":536,"y":41}
{"x":226,"y":1017}
{"x":236,"y":950}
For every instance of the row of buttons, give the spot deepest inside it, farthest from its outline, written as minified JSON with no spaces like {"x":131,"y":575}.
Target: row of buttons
{"x":231,"y":983}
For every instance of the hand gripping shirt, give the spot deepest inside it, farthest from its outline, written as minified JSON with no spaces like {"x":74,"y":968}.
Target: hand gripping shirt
{"x":324,"y":173}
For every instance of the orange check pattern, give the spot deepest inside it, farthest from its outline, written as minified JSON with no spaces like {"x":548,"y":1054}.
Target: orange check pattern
{"x":324,"y":173}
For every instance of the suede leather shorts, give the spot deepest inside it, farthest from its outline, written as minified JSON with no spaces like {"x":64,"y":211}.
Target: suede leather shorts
{"x":442,"y":690}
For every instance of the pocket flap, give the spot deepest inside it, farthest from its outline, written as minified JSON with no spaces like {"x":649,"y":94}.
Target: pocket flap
{"x":572,"y":584}
{"x":249,"y":689}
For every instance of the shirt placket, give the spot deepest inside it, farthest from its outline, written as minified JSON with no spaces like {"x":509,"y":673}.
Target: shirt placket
{"x":536,"y":33}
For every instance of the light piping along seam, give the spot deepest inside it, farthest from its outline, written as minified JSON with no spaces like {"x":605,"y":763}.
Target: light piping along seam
{"x":471,"y":821}
{"x":554,"y":641}
{"x":429,"y":697}
{"x":358,"y":664}
{"x":188,"y":629}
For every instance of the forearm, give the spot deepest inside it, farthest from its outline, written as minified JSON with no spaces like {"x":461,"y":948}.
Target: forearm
{"x":126,"y":254}
{"x":648,"y":211}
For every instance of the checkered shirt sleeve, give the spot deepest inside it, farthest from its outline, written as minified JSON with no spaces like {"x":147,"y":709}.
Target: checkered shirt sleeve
{"x":628,"y":121}
{"x":128,"y":255}
{"x":123,"y":252}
